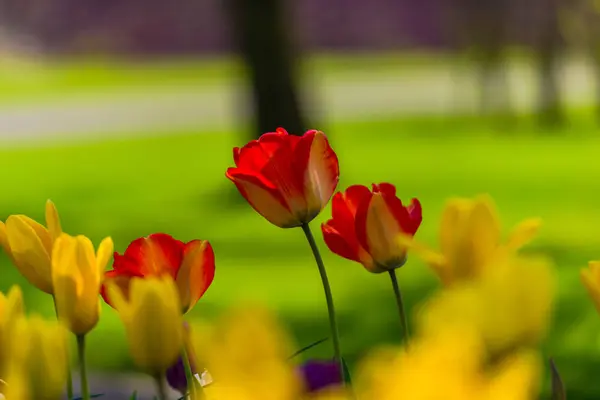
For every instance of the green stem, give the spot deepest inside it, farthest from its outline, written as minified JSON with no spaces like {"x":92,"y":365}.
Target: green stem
{"x":69,"y":376}
{"x":189,"y":376}
{"x":161,"y":387}
{"x":400,"y":303}
{"x":85,"y":390}
{"x":328,"y":297}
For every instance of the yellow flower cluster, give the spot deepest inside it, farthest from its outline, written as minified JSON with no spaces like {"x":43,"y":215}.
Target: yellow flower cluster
{"x":476,"y":339}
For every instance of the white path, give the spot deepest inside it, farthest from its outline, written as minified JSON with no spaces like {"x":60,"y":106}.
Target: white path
{"x":348,"y":96}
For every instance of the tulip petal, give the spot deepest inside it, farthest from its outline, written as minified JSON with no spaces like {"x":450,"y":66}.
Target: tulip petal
{"x":263,"y":197}
{"x":453,"y":217}
{"x":524,"y":233}
{"x":318,"y":169}
{"x":483,"y":227}
{"x":196,"y":273}
{"x":399,"y":212}
{"x":156,"y":254}
{"x":121,"y":281}
{"x":103,"y":255}
{"x":337,"y":243}
{"x":4,"y":242}
{"x":589,"y":277}
{"x":157,"y":310}
{"x":52,"y":220}
{"x":31,"y":257}
{"x":381,"y":229}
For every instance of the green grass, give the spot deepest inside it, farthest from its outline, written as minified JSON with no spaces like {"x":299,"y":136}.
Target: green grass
{"x":176,"y":184}
{"x":42,"y":80}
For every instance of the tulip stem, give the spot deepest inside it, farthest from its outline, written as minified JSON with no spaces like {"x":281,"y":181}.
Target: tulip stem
{"x":69,"y":375}
{"x":85,"y":390}
{"x":328,"y":297}
{"x":161,"y":387}
{"x":400,"y":303}
{"x":189,"y":375}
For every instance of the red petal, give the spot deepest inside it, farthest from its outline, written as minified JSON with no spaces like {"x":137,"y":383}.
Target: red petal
{"x":354,"y":195}
{"x":317,"y":169}
{"x":203,"y":268}
{"x":155,"y":254}
{"x":338,"y":243}
{"x":416,"y":216}
{"x":385,"y":189}
{"x":264,"y":197}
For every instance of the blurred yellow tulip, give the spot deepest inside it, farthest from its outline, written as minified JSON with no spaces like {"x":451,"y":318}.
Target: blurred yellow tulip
{"x":510,"y":305}
{"x":448,"y":364}
{"x":153,"y":321}
{"x":77,"y":277}
{"x":590,"y":277}
{"x":37,"y":366}
{"x":470,"y":239}
{"x":11,"y":308}
{"x":29,"y":245}
{"x":247,"y":353}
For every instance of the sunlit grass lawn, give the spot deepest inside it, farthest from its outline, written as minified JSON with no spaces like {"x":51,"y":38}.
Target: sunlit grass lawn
{"x":41,"y":80}
{"x":176,"y":184}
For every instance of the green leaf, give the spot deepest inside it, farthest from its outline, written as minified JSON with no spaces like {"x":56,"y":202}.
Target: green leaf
{"x":310,"y":346}
{"x":133,"y":396}
{"x":92,"y":396}
{"x":347,"y":377}
{"x":558,"y":388}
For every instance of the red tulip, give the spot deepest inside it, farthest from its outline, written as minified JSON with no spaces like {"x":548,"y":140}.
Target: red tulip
{"x":287,"y":179}
{"x":366,"y":224}
{"x":192,"y":265}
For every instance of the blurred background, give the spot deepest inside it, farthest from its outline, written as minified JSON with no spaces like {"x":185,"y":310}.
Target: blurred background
{"x":125,"y":113}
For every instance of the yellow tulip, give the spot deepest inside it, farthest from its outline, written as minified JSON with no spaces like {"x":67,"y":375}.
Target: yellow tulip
{"x":29,"y":246}
{"x":510,"y":305}
{"x":470,"y":239}
{"x":77,"y":277}
{"x":449,"y":364}
{"x":590,"y":278}
{"x":247,"y":354}
{"x":153,"y":321}
{"x":11,"y":308}
{"x":37,"y":366}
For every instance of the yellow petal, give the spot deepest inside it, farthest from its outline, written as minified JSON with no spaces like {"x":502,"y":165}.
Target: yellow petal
{"x":589,"y":278}
{"x":4,"y":241}
{"x":105,"y":251}
{"x":524,"y":233}
{"x":118,"y":300}
{"x":52,"y":220}
{"x":518,"y":379}
{"x":453,"y":219}
{"x":483,"y":227}
{"x":155,"y":331}
{"x":382,"y":231}
{"x":436,"y":261}
{"x":31,"y":256}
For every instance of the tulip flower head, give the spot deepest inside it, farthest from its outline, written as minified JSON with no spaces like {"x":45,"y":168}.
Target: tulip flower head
{"x":77,"y":276}
{"x":37,"y":362}
{"x":470,"y":239}
{"x":510,"y":305}
{"x":29,"y":246}
{"x":191,"y":265}
{"x":287,"y":179}
{"x":449,"y":364}
{"x":366,"y":224}
{"x":247,"y":353}
{"x":153,"y":321}
{"x":11,"y":308}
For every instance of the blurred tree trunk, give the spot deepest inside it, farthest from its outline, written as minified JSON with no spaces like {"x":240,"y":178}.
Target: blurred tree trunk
{"x":548,"y":51}
{"x":481,"y":27}
{"x":262,"y":35}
